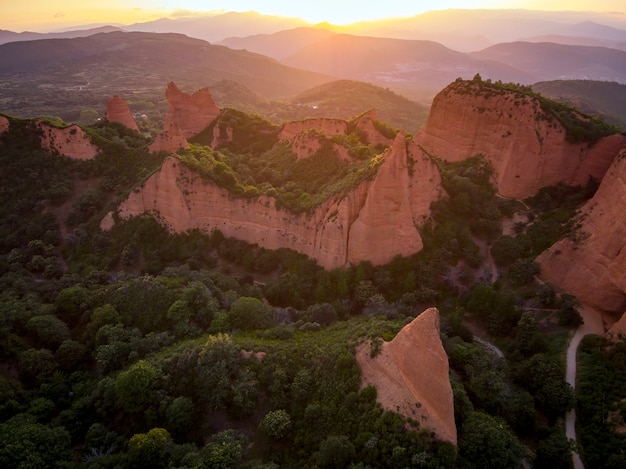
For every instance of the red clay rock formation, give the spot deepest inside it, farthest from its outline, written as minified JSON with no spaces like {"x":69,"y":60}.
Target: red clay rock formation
{"x":184,"y":200}
{"x":329,"y":127}
{"x":4,"y":124}
{"x":187,"y":115}
{"x":618,"y":330}
{"x":170,"y":140}
{"x":526,"y":146}
{"x":411,"y":375}
{"x":118,"y":111}
{"x":365,"y":124}
{"x":593,"y":266}
{"x":386,"y":219}
{"x":71,"y":141}
{"x":191,"y":113}
{"x":306,"y":144}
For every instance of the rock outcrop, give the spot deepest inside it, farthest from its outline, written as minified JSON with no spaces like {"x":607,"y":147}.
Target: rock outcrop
{"x":410,"y":374}
{"x":4,"y":124}
{"x":191,"y":113}
{"x":328,"y":127}
{"x":170,"y":140}
{"x":71,"y":141}
{"x":592,"y":266}
{"x":365,"y":124}
{"x":185,"y":200}
{"x":187,"y":115}
{"x":118,"y":111}
{"x":526,"y":146}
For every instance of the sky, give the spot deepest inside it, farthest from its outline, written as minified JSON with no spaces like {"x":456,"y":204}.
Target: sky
{"x":50,"y":15}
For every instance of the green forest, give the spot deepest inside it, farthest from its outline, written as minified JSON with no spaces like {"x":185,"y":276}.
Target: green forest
{"x":137,"y":347}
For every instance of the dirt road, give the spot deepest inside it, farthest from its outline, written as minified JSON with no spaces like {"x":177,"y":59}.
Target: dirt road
{"x":593,"y":325}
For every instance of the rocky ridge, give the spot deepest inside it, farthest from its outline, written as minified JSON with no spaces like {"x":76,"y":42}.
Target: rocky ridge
{"x":592,"y":264}
{"x":527,"y":147}
{"x":71,"y":141}
{"x":410,"y":374}
{"x":117,"y":110}
{"x":342,"y":230}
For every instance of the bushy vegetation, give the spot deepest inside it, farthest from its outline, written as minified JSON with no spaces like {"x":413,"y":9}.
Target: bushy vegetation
{"x":253,"y":163}
{"x":137,"y":347}
{"x":601,"y":410}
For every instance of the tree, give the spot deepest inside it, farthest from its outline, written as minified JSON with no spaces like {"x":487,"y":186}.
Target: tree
{"x":223,"y":451}
{"x":528,"y":338}
{"x":180,"y":414}
{"x":136,"y":387}
{"x":148,"y":450}
{"x":486,"y":442}
{"x":323,"y":314}
{"x":250,"y":313}
{"x":276,"y":424}
{"x":336,"y":451}
{"x":26,"y":444}
{"x":49,"y":330}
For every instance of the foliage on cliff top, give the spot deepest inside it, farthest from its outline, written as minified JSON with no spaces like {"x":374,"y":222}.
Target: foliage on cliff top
{"x":579,"y":127}
{"x":260,"y":165}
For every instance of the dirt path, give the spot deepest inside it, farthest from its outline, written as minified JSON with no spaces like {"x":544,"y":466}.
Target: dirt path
{"x":593,"y":324}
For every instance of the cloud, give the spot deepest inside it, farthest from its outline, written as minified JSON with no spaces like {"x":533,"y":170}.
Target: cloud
{"x":59,"y":14}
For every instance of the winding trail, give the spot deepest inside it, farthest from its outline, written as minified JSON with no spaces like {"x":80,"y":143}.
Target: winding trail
{"x":593,"y":324}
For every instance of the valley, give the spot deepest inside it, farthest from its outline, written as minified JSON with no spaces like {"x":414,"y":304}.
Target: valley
{"x":360,"y":249}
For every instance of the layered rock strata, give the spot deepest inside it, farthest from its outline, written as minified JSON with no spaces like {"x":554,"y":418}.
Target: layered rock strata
{"x":410,"y":374}
{"x":592,"y":265}
{"x":71,"y":141}
{"x":526,"y":146}
{"x":118,"y":111}
{"x":344,"y":229}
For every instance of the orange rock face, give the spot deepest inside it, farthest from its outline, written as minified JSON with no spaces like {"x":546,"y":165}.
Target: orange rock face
{"x":187,"y":115}
{"x":170,"y":140}
{"x":411,"y":375}
{"x":191,"y":113}
{"x":71,"y":141}
{"x":4,"y":124}
{"x":184,"y":200}
{"x":329,"y":127}
{"x":526,"y":146}
{"x":593,"y":267}
{"x":118,"y":111}
{"x":365,"y":124}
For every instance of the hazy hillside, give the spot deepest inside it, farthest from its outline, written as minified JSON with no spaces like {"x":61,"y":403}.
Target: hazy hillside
{"x":217,"y":27}
{"x":82,"y":72}
{"x":10,"y":36}
{"x":577,"y":41}
{"x":606,"y":99}
{"x":281,"y":44}
{"x":397,"y":63}
{"x":470,"y":30}
{"x":555,"y":61}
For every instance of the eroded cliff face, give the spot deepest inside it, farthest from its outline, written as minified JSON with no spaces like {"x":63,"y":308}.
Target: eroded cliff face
{"x":411,"y":375}
{"x":184,"y":200}
{"x":118,"y":111}
{"x":365,"y":124}
{"x":71,"y":141}
{"x":187,"y":115}
{"x":170,"y":140}
{"x":329,"y":127}
{"x":526,"y":146}
{"x":593,"y":266}
{"x":191,"y":113}
{"x":4,"y":124}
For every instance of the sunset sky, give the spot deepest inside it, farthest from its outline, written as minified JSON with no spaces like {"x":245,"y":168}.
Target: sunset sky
{"x":47,"y":15}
